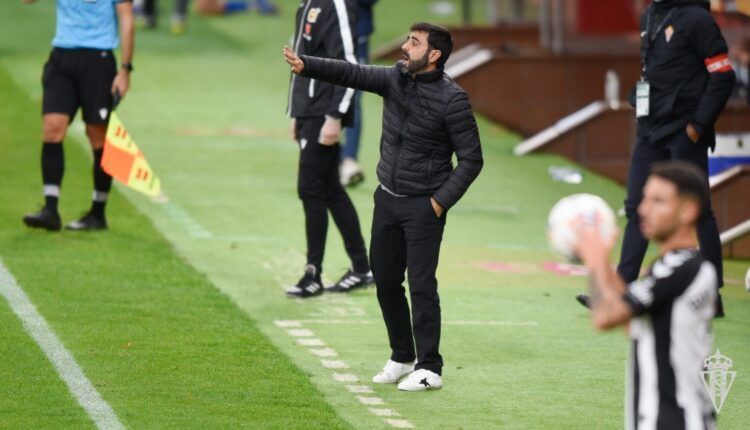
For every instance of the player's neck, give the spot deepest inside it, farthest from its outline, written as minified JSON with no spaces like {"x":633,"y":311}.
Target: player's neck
{"x":683,"y":238}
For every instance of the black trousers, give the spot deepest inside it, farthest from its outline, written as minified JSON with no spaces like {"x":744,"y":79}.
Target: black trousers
{"x":320,"y":190}
{"x":645,"y":154}
{"x":406,"y":236}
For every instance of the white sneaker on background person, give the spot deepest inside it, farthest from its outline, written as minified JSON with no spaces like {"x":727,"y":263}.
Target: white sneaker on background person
{"x":350,"y":173}
{"x":393,"y":372}
{"x":421,"y":380}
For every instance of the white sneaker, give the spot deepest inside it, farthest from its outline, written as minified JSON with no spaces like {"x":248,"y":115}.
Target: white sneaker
{"x":421,"y":380}
{"x":393,"y":372}
{"x":350,"y":173}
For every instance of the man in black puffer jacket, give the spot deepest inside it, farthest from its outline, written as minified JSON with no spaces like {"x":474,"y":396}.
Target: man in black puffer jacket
{"x":426,"y":119}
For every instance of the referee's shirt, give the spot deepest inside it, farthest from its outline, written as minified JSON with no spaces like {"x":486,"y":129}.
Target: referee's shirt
{"x":671,"y":336}
{"x":88,"y":24}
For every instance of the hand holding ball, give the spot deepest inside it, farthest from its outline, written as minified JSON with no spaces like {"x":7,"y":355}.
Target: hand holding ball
{"x":573,"y":218}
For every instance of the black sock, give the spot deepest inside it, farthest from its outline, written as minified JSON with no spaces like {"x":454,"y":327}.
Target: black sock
{"x":53,"y":166}
{"x":102,"y":185}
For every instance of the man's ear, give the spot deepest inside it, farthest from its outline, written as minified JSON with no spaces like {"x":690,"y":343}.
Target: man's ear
{"x":434,"y":56}
{"x":689,"y":212}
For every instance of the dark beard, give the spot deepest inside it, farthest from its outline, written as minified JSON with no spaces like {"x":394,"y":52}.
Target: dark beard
{"x":415,"y":66}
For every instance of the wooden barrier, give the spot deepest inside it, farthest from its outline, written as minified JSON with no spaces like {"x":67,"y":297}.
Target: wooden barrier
{"x":730,"y":200}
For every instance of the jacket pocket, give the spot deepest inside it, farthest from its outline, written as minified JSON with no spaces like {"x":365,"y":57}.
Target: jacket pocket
{"x":311,"y":88}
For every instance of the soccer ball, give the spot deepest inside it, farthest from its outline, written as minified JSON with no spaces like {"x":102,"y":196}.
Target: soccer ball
{"x":560,"y":232}
{"x":747,"y":280}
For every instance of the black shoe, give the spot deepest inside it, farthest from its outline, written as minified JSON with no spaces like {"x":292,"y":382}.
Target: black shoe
{"x":45,"y":218}
{"x":351,"y":281}
{"x":88,"y":222}
{"x":583,"y":299}
{"x":309,"y":285}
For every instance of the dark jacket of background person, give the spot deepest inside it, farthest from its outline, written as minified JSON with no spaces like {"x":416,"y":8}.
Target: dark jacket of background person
{"x":324,"y":28}
{"x":682,"y":89}
{"x":365,"y":19}
{"x":426,"y":118}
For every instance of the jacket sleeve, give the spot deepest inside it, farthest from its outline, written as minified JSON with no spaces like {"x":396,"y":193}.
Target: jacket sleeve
{"x":339,"y":44}
{"x":712,"y":49}
{"x":464,"y":135}
{"x":372,"y":79}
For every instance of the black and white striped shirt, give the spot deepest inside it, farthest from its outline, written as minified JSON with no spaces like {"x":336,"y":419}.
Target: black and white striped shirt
{"x":671,"y":336}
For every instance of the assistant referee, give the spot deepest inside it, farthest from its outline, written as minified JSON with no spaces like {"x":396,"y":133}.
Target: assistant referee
{"x":81,"y":72}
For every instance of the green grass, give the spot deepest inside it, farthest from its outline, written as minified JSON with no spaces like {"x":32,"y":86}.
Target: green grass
{"x":159,"y":342}
{"x":196,"y":357}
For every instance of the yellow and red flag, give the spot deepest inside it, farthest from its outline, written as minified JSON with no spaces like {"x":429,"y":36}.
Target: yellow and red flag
{"x":125,"y":162}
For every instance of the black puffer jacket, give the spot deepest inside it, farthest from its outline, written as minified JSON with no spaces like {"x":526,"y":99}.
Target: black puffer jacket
{"x":426,"y":119}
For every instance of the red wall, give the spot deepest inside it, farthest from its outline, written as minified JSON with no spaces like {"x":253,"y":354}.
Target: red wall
{"x":606,"y":16}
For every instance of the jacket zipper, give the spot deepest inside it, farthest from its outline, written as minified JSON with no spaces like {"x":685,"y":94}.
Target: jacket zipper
{"x":401,"y":141}
{"x":296,"y":49}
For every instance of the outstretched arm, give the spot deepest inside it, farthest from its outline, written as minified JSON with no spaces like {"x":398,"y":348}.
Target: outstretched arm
{"x":373,"y":79}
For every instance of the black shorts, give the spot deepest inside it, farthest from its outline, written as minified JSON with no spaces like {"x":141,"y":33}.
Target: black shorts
{"x":74,"y":78}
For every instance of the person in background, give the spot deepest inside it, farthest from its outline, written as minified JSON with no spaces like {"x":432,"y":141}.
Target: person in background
{"x":741,"y":66}
{"x":82,"y":73}
{"x":146,"y":15}
{"x":318,"y":110}
{"x":350,"y":170}
{"x":686,"y":80}
{"x":227,"y":7}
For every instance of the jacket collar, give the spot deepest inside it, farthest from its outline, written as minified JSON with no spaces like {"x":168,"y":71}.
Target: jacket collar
{"x":432,"y":76}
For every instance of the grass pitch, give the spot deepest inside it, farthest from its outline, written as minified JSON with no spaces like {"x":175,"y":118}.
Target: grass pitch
{"x":172,"y":312}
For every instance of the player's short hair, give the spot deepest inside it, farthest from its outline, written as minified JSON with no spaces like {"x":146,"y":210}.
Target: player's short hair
{"x":690,"y":180}
{"x":439,"y":38}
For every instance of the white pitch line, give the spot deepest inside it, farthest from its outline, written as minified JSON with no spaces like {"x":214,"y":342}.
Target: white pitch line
{"x":359,"y":389}
{"x":310,"y":341}
{"x":35,"y":324}
{"x":324,"y":352}
{"x":369,"y":400}
{"x":301,"y":332}
{"x":400,"y":424}
{"x":383,"y":412}
{"x":287,"y":324}
{"x":334,"y":364}
{"x":345,"y":377}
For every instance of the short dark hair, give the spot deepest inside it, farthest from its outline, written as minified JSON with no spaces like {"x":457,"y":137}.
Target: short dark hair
{"x":690,"y":180}
{"x":439,"y":38}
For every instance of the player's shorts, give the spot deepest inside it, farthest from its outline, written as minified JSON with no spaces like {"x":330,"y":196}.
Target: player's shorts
{"x":79,"y":78}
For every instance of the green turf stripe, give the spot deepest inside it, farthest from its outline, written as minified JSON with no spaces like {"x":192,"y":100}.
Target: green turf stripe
{"x":161,"y":344}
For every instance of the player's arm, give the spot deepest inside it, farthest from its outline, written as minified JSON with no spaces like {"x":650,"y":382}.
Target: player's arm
{"x":126,"y":20}
{"x":339,"y":45}
{"x":712,"y":49}
{"x":608,"y":306}
{"x":372,"y":79}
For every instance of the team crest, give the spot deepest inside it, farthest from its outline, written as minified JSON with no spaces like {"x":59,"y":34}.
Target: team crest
{"x":312,"y":15}
{"x":717,"y":378}
{"x":668,"y":33}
